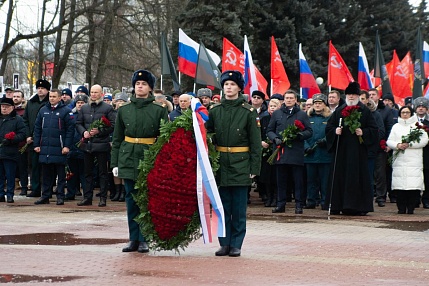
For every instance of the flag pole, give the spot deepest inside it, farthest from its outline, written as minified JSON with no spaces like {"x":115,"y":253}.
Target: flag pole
{"x":194,"y":87}
{"x":180,"y":77}
{"x":161,"y":82}
{"x":271,"y":87}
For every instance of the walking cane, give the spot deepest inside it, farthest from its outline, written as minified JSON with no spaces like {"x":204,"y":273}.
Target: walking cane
{"x":333,"y":175}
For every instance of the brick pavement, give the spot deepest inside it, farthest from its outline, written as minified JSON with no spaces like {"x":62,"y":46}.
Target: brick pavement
{"x":383,"y":248}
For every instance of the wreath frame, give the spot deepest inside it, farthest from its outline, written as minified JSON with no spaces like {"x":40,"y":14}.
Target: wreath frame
{"x":193,"y":228}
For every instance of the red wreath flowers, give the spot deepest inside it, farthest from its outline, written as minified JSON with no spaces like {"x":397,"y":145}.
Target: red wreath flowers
{"x":172,"y":185}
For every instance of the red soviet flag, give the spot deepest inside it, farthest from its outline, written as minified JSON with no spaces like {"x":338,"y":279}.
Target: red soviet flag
{"x":280,"y":81}
{"x":408,"y":67}
{"x":399,"y":80}
{"x":232,"y":57}
{"x":339,"y":75}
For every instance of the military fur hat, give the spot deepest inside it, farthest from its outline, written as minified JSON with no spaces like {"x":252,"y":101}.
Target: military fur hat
{"x":353,"y":88}
{"x":258,"y":93}
{"x":235,"y":76}
{"x":421,"y":101}
{"x":204,"y":92}
{"x":83,"y":89}
{"x":144,"y":75}
{"x":81,"y":97}
{"x":122,"y":96}
{"x":319,"y":97}
{"x":43,"y":83}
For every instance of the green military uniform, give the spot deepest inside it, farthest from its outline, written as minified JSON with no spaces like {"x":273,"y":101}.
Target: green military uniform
{"x":238,"y":138}
{"x":137,"y":125}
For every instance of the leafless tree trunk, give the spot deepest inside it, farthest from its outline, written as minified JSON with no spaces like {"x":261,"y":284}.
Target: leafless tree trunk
{"x":41,"y":55}
{"x":6,"y":36}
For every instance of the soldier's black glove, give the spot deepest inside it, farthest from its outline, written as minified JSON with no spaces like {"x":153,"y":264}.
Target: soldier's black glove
{"x":321,"y":142}
{"x":309,"y":151}
{"x":278,"y":141}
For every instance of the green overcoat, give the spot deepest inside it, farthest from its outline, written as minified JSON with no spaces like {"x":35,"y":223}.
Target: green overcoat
{"x":235,"y":124}
{"x":141,"y":118}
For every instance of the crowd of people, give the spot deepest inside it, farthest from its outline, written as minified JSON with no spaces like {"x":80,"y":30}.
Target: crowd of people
{"x":337,"y":153}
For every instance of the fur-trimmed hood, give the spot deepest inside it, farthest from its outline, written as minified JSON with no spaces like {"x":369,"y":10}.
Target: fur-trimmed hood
{"x":97,"y":102}
{"x":325,"y":113}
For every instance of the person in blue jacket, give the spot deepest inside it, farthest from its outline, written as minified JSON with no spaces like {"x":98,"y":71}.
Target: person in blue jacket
{"x":53,"y":137}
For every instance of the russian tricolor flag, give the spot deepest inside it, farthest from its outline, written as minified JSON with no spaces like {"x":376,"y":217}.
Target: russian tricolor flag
{"x":426,"y":58}
{"x":188,"y":55}
{"x":250,"y":81}
{"x":308,"y":84}
{"x":364,"y":78}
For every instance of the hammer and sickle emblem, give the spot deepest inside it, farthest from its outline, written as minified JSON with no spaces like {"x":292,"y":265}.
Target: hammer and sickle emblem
{"x":400,"y":72}
{"x":231,"y":57}
{"x":335,"y":63}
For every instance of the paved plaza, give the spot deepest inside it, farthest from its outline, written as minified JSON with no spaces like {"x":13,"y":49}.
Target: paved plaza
{"x":82,"y":246}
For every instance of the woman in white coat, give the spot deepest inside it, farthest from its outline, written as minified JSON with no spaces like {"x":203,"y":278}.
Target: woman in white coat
{"x":407,"y":177}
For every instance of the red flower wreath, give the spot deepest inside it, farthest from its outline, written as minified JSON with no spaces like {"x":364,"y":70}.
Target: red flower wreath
{"x":172,"y":185}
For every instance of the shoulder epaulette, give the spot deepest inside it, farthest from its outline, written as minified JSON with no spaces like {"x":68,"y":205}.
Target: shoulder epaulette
{"x":215,"y":105}
{"x":248,"y":106}
{"x":159,"y":104}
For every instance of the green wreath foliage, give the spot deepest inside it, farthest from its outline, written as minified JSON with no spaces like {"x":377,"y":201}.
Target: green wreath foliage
{"x":192,"y":231}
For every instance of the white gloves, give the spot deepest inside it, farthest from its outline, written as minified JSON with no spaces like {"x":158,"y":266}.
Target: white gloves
{"x":115,"y":171}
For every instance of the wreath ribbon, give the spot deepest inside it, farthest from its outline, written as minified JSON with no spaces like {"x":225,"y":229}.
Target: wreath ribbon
{"x":207,"y":191}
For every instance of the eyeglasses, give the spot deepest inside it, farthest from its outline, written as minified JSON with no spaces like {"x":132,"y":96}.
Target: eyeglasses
{"x":256,"y":97}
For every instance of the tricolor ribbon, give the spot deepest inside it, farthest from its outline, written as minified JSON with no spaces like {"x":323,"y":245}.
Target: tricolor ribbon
{"x":207,"y":191}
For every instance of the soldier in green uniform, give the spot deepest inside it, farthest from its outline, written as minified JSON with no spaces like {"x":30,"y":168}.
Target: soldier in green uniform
{"x":137,"y":126}
{"x":238,"y":140}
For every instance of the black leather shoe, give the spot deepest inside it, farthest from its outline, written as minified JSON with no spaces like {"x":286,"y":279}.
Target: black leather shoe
{"x":234,"y":252}
{"x":34,"y":194}
{"x":222,"y":251}
{"x":133,"y":245}
{"x":23,"y":192}
{"x":85,"y":202}
{"x":143,"y":247}
{"x":278,"y":210}
{"x":2,"y":199}
{"x":42,"y":201}
{"x":102,"y":202}
{"x":401,"y":211}
{"x":10,"y":200}
{"x":69,"y":198}
{"x":426,"y":205}
{"x":60,"y":202}
{"x":298,"y":210}
{"x":310,"y":207}
{"x":381,"y":204}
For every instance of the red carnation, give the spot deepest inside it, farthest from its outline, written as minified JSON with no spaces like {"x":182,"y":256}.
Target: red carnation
{"x":383,"y":144}
{"x":299,"y":125}
{"x":106,"y":121}
{"x":10,"y":135}
{"x":348,"y":110}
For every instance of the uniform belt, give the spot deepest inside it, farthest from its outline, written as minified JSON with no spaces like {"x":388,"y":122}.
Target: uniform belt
{"x":148,"y":141}
{"x":232,"y":149}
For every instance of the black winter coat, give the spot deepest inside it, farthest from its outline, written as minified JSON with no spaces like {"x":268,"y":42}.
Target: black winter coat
{"x":90,"y":112}
{"x":31,"y":111}
{"x":280,"y":120}
{"x":11,"y":123}
{"x":54,"y":130}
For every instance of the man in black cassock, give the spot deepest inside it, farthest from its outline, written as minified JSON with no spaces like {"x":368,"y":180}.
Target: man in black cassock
{"x":351,"y":192}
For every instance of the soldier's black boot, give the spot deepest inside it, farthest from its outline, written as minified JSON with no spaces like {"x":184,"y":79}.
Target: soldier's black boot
{"x":118,"y":189}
